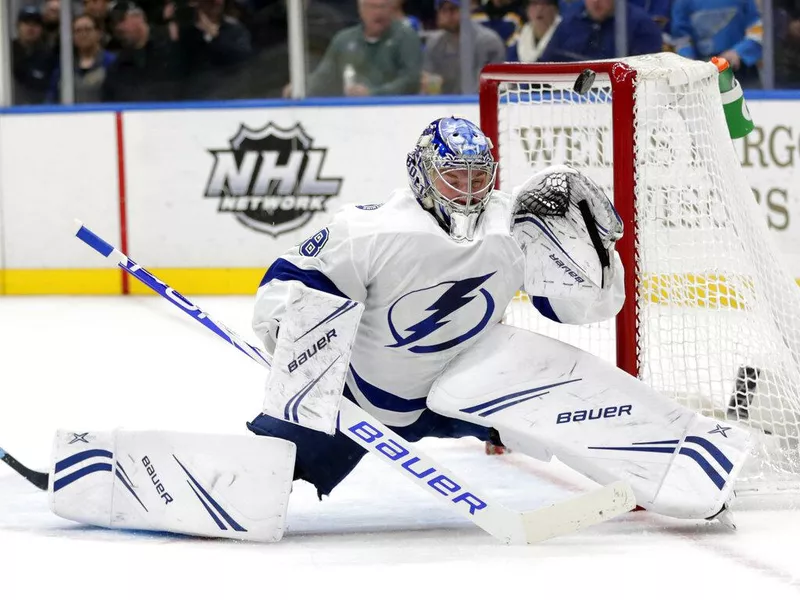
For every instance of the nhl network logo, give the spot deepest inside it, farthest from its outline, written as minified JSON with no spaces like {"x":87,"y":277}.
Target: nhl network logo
{"x":270,"y":178}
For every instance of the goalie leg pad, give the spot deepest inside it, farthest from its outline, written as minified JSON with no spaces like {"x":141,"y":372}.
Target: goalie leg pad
{"x":227,"y":486}
{"x":547,"y":397}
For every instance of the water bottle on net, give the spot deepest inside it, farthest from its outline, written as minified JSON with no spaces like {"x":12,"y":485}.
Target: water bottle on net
{"x":737,"y":115}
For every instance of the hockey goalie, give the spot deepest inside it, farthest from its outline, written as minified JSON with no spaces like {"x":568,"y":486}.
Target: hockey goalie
{"x":398,"y":306}
{"x":435,"y":267}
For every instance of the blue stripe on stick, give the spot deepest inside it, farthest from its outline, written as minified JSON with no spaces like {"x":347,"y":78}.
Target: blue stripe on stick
{"x":170,"y":294}
{"x":234,"y":525}
{"x":87,"y":470}
{"x":80,"y":457}
{"x":95,"y":241}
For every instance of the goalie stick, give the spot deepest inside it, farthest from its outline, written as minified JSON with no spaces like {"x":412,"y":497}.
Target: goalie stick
{"x":40,"y":480}
{"x":368,"y":432}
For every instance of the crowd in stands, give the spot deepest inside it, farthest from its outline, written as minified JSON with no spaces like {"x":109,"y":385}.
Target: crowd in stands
{"x":163,"y":50}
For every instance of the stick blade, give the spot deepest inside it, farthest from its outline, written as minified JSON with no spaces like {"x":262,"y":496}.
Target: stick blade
{"x":39,"y":479}
{"x":578,"y":513}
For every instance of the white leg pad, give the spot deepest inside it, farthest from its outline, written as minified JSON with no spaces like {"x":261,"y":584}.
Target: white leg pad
{"x":226,"y":486}
{"x":546,"y":397}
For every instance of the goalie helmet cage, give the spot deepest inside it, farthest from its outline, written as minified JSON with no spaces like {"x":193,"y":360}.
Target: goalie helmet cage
{"x":712,"y":317}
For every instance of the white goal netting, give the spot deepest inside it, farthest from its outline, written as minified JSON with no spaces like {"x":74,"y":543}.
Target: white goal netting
{"x":717,"y":321}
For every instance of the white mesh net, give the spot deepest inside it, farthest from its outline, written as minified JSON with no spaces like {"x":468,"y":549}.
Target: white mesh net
{"x":718,"y":315}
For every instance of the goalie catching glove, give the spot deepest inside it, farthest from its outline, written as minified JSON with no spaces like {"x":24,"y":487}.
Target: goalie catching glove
{"x":567,"y":227}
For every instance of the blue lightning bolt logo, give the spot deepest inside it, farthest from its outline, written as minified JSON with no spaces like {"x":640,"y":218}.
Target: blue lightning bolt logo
{"x":455,"y":297}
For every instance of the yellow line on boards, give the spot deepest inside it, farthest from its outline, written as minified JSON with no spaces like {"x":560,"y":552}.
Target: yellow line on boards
{"x":205,"y":281}
{"x":91,"y":282}
{"x":29,"y":282}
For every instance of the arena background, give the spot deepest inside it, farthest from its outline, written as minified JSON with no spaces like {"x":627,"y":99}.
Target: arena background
{"x":147,"y":177}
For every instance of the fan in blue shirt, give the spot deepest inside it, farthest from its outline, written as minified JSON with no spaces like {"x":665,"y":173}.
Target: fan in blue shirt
{"x":728,"y":28}
{"x":587,"y":33}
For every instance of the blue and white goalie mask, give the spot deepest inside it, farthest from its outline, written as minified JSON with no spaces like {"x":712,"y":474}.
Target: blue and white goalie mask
{"x":452,"y":172}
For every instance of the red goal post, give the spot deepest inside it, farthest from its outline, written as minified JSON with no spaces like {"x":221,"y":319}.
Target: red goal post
{"x":621,"y":78}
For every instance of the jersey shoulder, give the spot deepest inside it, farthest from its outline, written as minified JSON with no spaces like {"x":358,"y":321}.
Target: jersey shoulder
{"x":401,"y":214}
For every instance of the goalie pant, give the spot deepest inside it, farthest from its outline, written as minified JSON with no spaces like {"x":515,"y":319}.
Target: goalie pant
{"x":228,"y":486}
{"x":325,"y":460}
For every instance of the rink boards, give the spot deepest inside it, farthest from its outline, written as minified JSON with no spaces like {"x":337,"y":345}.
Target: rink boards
{"x":207,"y":196}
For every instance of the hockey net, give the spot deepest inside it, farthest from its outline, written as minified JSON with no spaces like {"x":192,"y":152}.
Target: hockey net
{"x":712,"y":317}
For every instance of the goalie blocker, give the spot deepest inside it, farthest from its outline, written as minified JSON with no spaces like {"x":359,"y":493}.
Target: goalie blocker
{"x":225,"y":486}
{"x":311,"y":358}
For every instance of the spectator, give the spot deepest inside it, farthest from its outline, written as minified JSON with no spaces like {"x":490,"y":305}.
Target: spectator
{"x":502,"y":16}
{"x":543,"y":19}
{"x":443,"y":50}
{"x":400,"y":15}
{"x":32,"y":60}
{"x":424,"y":10}
{"x":91,"y":63}
{"x":98,"y":10}
{"x":379,"y":57}
{"x":265,"y":74}
{"x":787,"y":48}
{"x":659,"y":11}
{"x":148,"y":66}
{"x":587,"y":33}
{"x":213,"y":46}
{"x":51,"y":21}
{"x":153,"y":9}
{"x":730,"y":29}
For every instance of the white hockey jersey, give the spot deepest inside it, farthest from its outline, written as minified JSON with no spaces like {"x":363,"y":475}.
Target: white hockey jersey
{"x":427,"y":298}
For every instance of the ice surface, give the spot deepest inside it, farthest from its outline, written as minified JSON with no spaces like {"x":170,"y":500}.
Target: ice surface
{"x":138,"y":363}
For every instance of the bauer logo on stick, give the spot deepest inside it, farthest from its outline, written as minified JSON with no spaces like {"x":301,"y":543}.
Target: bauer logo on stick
{"x":271,"y":178}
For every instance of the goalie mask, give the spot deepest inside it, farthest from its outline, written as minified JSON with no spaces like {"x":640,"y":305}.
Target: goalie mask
{"x":451,"y":172}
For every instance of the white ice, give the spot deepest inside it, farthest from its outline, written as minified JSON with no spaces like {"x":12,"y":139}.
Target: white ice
{"x":138,"y":363}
